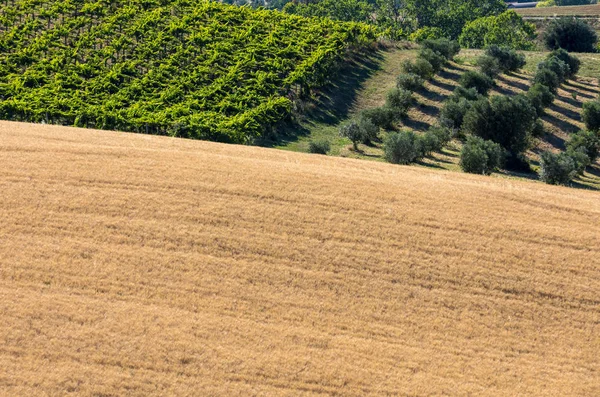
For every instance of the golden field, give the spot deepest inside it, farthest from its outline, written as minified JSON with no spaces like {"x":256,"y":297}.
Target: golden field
{"x":142,"y":265}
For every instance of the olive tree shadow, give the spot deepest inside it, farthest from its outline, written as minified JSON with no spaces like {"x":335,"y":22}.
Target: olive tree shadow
{"x":513,"y":84}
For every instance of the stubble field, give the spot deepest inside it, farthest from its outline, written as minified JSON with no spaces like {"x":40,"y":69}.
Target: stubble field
{"x":143,"y":265}
{"x":590,"y":10}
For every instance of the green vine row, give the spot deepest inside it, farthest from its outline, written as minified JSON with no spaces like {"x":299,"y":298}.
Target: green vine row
{"x":195,"y":69}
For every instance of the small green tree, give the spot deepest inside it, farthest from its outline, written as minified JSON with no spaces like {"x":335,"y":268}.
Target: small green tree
{"x":547,"y":78}
{"x":400,"y":148}
{"x":506,"y":29}
{"x":556,"y":65}
{"x":400,"y":100}
{"x":572,"y":34}
{"x":571,"y":60}
{"x":477,"y":80}
{"x":489,"y":66}
{"x":557,"y":169}
{"x":508,"y":58}
{"x":469,"y":94}
{"x":447,"y":48}
{"x":479,"y":156}
{"x":591,"y":115}
{"x":453,"y":113}
{"x":420,"y":67}
{"x":353,"y":132}
{"x":369,"y":130}
{"x":580,"y":159}
{"x":540,"y":97}
{"x":435,"y":59}
{"x":382,"y":117}
{"x":319,"y":146}
{"x":506,"y":120}
{"x":409,"y":81}
{"x":587,"y":142}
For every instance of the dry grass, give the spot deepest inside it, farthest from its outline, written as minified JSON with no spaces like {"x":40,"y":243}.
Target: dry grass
{"x":142,"y":265}
{"x":582,"y":11}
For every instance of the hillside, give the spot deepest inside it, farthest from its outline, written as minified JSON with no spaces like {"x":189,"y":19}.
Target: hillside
{"x":194,"y":69}
{"x":372,"y":77}
{"x":144,"y":265}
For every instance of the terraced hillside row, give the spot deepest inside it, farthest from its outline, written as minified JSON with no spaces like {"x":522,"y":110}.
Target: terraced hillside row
{"x":197,"y":69}
{"x":370,"y":78}
{"x":142,"y":265}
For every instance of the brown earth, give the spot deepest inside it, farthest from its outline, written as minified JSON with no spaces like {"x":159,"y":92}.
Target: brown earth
{"x":583,"y":11}
{"x":143,"y":265}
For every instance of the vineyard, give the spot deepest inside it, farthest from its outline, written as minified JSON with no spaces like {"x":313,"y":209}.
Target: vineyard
{"x":190,"y":69}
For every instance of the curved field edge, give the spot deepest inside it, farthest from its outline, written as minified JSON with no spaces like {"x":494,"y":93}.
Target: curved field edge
{"x":146,"y":265}
{"x":182,"y":68}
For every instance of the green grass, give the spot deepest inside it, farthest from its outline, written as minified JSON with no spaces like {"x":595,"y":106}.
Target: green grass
{"x":366,"y":80}
{"x":590,"y":62}
{"x":362,"y":84}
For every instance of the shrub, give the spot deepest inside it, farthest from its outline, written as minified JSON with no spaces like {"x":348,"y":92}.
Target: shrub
{"x":538,"y":129}
{"x":587,"y":142}
{"x":352,"y":131}
{"x":571,"y":34}
{"x":443,"y":134}
{"x":509,"y":59}
{"x":547,"y":78}
{"x":479,"y":156}
{"x":453,"y":113}
{"x":505,"y":120}
{"x":580,"y":159}
{"x":557,"y":169}
{"x":469,"y":94}
{"x":479,"y":81}
{"x":540,"y":97}
{"x":382,"y":116}
{"x":400,"y":100}
{"x":447,"y":48}
{"x":368,"y":129}
{"x":433,"y":140}
{"x":409,"y":81}
{"x":436,"y":60}
{"x":489,"y":66}
{"x":426,"y":33}
{"x":557,"y":66}
{"x":591,"y":115}
{"x":399,"y":147}
{"x":319,"y":147}
{"x":420,"y":67}
{"x":571,"y":60}
{"x":506,"y":29}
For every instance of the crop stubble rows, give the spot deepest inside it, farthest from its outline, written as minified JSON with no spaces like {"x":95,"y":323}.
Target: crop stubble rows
{"x":147,"y":265}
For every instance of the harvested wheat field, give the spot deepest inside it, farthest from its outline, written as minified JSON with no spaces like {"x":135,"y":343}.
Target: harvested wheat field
{"x":141,"y":265}
{"x":589,"y":10}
